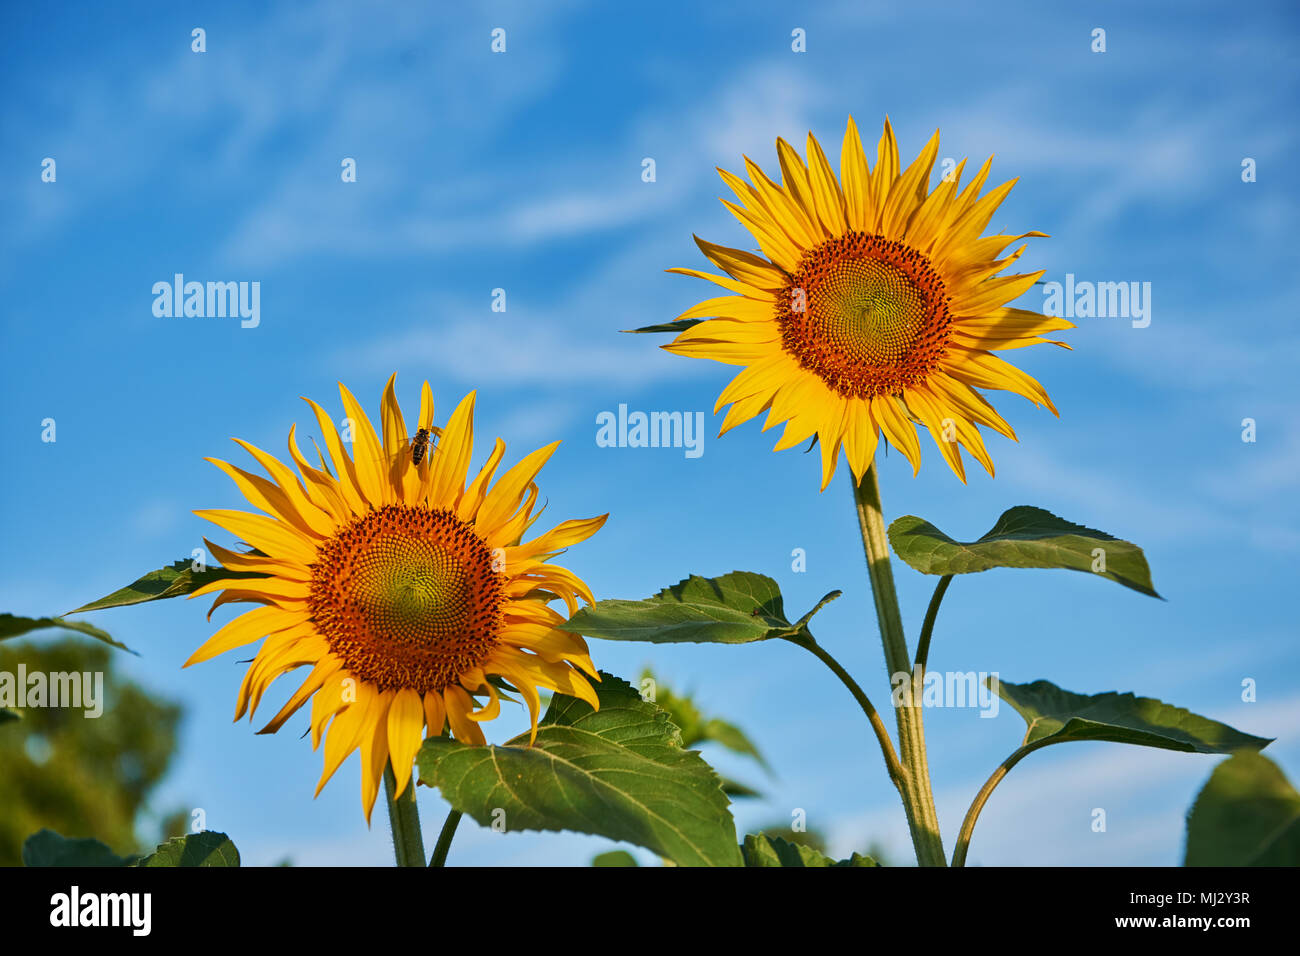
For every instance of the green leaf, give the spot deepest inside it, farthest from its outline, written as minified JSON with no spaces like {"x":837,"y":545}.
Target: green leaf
{"x":675,"y":326}
{"x":1023,"y":537}
{"x":175,"y":581}
{"x":1248,"y":814}
{"x":7,"y":715}
{"x":733,"y":738}
{"x":615,"y":858}
{"x":734,"y":788}
{"x":695,"y":729}
{"x":13,"y":626}
{"x":1057,"y":716}
{"x":47,"y":848}
{"x":736,"y":608}
{"x":619,"y":772}
{"x":763,"y":850}
{"x":195,"y":849}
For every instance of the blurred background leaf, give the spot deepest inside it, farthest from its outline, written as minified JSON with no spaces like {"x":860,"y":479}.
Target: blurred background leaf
{"x":80,"y":776}
{"x":1248,"y":814}
{"x":698,"y":729}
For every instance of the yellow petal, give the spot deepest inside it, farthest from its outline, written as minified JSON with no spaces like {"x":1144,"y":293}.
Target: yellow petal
{"x":898,"y":430}
{"x":345,"y":732}
{"x":305,"y":510}
{"x":771,"y":239}
{"x":367,"y":454}
{"x":742,"y":265}
{"x":270,"y":498}
{"x":405,"y":734}
{"x":374,"y":752}
{"x":325,"y":668}
{"x":550,"y":643}
{"x":344,"y":468}
{"x":911,"y":190}
{"x":856,"y":181}
{"x":458,"y":706}
{"x":448,"y":467}
{"x":435,"y":713}
{"x":886,"y":171}
{"x":564,"y":534}
{"x":247,"y":628}
{"x":503,"y":500}
{"x":278,"y":539}
{"x":242,"y":561}
{"x":738,"y":307}
{"x":782,"y":208}
{"x":472,"y":500}
{"x":338,"y":691}
{"x":794,"y":179}
{"x":988,"y":371}
{"x":728,"y":283}
{"x":321,"y":486}
{"x":826,"y":193}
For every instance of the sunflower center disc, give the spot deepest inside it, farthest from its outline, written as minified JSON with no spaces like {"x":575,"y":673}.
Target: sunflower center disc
{"x":869,"y":311}
{"x":407,"y":597}
{"x":868,"y":315}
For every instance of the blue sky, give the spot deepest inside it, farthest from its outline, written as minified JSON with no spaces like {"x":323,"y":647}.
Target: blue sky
{"x":522,"y":171}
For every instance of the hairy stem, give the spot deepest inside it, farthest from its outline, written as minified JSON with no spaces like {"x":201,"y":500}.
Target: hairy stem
{"x":981,"y":798}
{"x":927,"y":628}
{"x":408,"y":844}
{"x":444,"y":839}
{"x":877,"y":724}
{"x":918,"y":800}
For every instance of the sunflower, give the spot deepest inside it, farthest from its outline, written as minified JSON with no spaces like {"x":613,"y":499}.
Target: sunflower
{"x":411,"y":595}
{"x":874,"y":307}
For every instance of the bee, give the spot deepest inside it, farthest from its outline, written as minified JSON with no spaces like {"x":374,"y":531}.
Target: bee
{"x":418,"y":444}
{"x":423,"y":443}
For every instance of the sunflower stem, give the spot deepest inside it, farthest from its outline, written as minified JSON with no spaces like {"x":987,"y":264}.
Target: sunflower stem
{"x":981,"y":798}
{"x":877,"y":724}
{"x":927,"y":627}
{"x":408,"y":844}
{"x":444,"y":838}
{"x":918,"y":800}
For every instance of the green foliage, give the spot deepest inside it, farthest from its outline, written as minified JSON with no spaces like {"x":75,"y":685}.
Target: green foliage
{"x":195,"y":849}
{"x":736,"y":608}
{"x":13,"y":626}
{"x":1023,"y":537}
{"x":620,"y":772}
{"x":177,"y":580}
{"x":815,"y":840}
{"x":1054,"y":716}
{"x":764,"y":850}
{"x":1248,"y":814}
{"x":48,"y":848}
{"x":615,"y":858}
{"x":810,"y":837}
{"x":76,"y":774}
{"x":677,"y":325}
{"x":696,"y":728}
